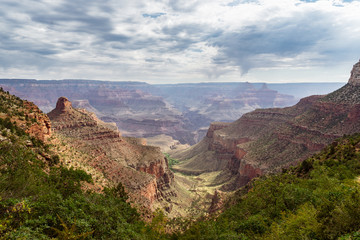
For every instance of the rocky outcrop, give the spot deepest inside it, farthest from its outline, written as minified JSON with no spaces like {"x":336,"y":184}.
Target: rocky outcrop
{"x":215,"y":126}
{"x":217,"y":202}
{"x":65,"y":117}
{"x":142,"y":169}
{"x":355,"y":75}
{"x":41,"y":125}
{"x":25,"y":115}
{"x":63,"y":105}
{"x":267,"y":140}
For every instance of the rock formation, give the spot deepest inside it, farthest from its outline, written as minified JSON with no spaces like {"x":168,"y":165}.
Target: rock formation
{"x":63,"y":105}
{"x":142,"y":169}
{"x":25,"y":115}
{"x":41,"y":127}
{"x":267,"y":140}
{"x":355,"y":75}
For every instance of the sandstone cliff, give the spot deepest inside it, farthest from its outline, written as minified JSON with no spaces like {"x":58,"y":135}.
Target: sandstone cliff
{"x":267,"y":140}
{"x":142,"y":169}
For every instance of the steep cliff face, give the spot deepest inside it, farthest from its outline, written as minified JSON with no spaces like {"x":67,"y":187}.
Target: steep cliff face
{"x":142,"y":169}
{"x":267,"y":140}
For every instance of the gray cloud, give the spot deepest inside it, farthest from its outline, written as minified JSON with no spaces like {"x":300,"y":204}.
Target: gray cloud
{"x":153,"y":15}
{"x":283,"y":37}
{"x":10,"y":42}
{"x":237,"y":2}
{"x":21,"y":60}
{"x":142,"y":35}
{"x":74,"y":11}
{"x":115,"y":37}
{"x":184,"y":5}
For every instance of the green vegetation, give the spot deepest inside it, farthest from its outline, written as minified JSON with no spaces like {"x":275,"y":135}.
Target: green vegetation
{"x":31,"y":201}
{"x":171,"y":161}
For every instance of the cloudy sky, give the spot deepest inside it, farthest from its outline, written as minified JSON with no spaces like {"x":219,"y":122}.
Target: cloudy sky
{"x":170,"y":41}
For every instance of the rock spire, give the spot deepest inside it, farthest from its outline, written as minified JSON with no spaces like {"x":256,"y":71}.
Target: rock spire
{"x":63,"y":105}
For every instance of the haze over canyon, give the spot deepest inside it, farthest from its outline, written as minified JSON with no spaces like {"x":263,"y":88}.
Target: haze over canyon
{"x":182,"y":112}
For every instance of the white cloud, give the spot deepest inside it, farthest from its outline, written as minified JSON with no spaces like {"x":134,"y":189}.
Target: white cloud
{"x":175,"y":40}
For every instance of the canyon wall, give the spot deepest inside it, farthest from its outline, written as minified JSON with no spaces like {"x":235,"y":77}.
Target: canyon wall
{"x":142,"y":110}
{"x":267,"y":140}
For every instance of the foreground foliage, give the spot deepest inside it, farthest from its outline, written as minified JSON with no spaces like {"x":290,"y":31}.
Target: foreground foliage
{"x":36,"y":204}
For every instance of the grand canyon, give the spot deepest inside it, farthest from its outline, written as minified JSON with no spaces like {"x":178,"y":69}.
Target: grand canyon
{"x":108,"y":130}
{"x":180,"y":120}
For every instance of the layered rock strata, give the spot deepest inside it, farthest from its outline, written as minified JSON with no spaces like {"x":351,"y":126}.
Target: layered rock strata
{"x":136,"y":112}
{"x":142,"y":169}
